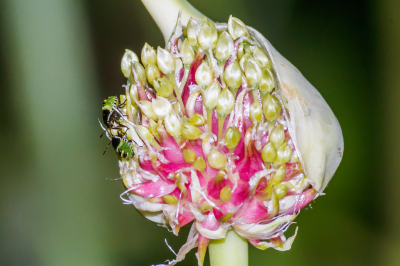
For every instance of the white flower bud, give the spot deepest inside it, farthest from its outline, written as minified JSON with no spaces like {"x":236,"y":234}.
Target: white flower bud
{"x":126,"y":62}
{"x":191,"y":32}
{"x":233,"y":75}
{"x":147,"y":109}
{"x":224,"y":47}
{"x":208,"y":35}
{"x":139,"y":69}
{"x":148,"y":55}
{"x":210,"y":95}
{"x":152,"y":72}
{"x":203,"y":75}
{"x":252,"y":71}
{"x":173,"y":125}
{"x":188,"y":52}
{"x":226,"y":102}
{"x":161,"y":106}
{"x":144,"y":133}
{"x":165,"y":61}
{"x":216,"y":159}
{"x":237,"y":28}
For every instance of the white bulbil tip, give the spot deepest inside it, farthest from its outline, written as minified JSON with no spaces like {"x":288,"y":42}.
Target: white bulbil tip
{"x":165,"y":61}
{"x":191,"y":32}
{"x":208,"y":35}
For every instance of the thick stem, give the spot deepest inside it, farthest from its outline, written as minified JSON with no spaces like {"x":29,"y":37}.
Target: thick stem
{"x":232,"y":251}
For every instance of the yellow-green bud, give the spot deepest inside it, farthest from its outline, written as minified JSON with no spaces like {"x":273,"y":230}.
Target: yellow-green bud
{"x":134,"y":94}
{"x":190,"y":132}
{"x":163,"y":87}
{"x":147,"y":109}
{"x":188,"y":52}
{"x":210,"y":95}
{"x":240,"y":50}
{"x":225,"y":193}
{"x":220,"y":176}
{"x":277,"y":136}
{"x":268,"y":153}
{"x":148,"y":55}
{"x":170,"y":199}
{"x":284,"y":153}
{"x":205,"y":207}
{"x":243,"y":60}
{"x":232,"y":137}
{"x":271,"y":107}
{"x":189,"y":155}
{"x":173,"y":125}
{"x":224,"y":47}
{"x":126,"y":63}
{"x":216,"y":159}
{"x":165,"y":61}
{"x":252,"y":71}
{"x":267,"y":83}
{"x":255,"y":111}
{"x":237,"y":28}
{"x":144,"y":133}
{"x":280,"y":191}
{"x":161,"y":106}
{"x":233,"y":75}
{"x":279,"y":175}
{"x":199,"y":164}
{"x":152,"y":72}
{"x":260,"y":57}
{"x":208,"y":35}
{"x":226,"y":102}
{"x":191,"y":32}
{"x":197,"y":120}
{"x":153,"y":127}
{"x":203,"y":75}
{"x":139,"y":69}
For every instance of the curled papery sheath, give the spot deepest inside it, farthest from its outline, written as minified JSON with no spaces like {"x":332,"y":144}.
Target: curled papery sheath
{"x":222,"y":131}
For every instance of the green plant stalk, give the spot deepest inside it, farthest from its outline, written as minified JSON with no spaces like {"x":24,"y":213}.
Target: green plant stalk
{"x":232,"y":251}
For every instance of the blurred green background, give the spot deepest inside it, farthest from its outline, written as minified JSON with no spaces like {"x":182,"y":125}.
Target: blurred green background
{"x":60,"y":58}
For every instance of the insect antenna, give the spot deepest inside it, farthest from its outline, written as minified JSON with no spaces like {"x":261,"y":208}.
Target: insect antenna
{"x":108,"y":145}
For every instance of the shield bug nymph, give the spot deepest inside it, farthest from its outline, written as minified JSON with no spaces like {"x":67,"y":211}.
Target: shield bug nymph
{"x":122,"y":147}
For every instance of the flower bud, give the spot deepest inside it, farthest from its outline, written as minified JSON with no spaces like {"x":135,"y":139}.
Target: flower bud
{"x":277,"y":136}
{"x":153,"y":127}
{"x":163,"y":87}
{"x":226,"y":102}
{"x":144,"y":133}
{"x":191,"y":32}
{"x":152,"y":72}
{"x":140,"y":72}
{"x":225,"y":193}
{"x":260,"y":57}
{"x":126,"y":63}
{"x":190,"y":132}
{"x":233,"y":75}
{"x":187,"y":51}
{"x":161,"y":106}
{"x":237,"y":28}
{"x":170,"y":199}
{"x":284,"y":154}
{"x":240,"y":50}
{"x":252,"y":71}
{"x":199,"y":164}
{"x":216,"y":159}
{"x":197,"y":120}
{"x":208,"y":35}
{"x":173,"y":125}
{"x":203,"y":75}
{"x":243,"y":60}
{"x":271,"y":107}
{"x":279,"y":175}
{"x":280,"y":191}
{"x":134,"y":94}
{"x":148,"y":55}
{"x":189,"y":155}
{"x":165,"y":61}
{"x":147,"y":109}
{"x":224,"y":47}
{"x":211,"y":94}
{"x":232,"y":137}
{"x":268,"y":153}
{"x":267,"y":83}
{"x":255,"y":112}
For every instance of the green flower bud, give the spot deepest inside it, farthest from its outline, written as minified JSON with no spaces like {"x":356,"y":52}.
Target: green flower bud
{"x":173,"y":125}
{"x":280,"y":191}
{"x":208,"y":35}
{"x":260,"y":57}
{"x":147,"y":109}
{"x":152,"y":72}
{"x":161,"y":106}
{"x":126,"y":63}
{"x":210,"y":95}
{"x":277,"y":136}
{"x":224,"y":47}
{"x":187,"y":51}
{"x":144,"y":133}
{"x":284,"y":154}
{"x":163,"y":87}
{"x":148,"y":55}
{"x":140,"y":72}
{"x":232,"y":137}
{"x":255,"y":112}
{"x":191,"y":32}
{"x":199,"y":164}
{"x":190,"y":132}
{"x":170,"y":199}
{"x":233,"y":75}
{"x":225,"y":193}
{"x":237,"y":28}
{"x":216,"y":159}
{"x":220,"y":176}
{"x":253,"y":72}
{"x":153,"y":127}
{"x":271,"y":107}
{"x":279,"y":175}
{"x":165,"y":61}
{"x":226,"y":102}
{"x":203,"y":75}
{"x":243,"y":60}
{"x":197,"y":120}
{"x":267,"y":83}
{"x":240,"y":51}
{"x":268,"y":153}
{"x":189,"y":155}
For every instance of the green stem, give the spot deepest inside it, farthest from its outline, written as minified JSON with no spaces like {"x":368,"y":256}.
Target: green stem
{"x":232,"y":251}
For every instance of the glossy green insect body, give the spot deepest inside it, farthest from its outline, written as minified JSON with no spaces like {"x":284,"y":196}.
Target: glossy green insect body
{"x":109,"y":114}
{"x":122,"y":147}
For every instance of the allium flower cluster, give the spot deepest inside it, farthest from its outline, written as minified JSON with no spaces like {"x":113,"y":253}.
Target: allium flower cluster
{"x":212,"y":131}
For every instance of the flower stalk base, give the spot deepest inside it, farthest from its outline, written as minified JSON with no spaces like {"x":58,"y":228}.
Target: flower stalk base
{"x":232,"y":251}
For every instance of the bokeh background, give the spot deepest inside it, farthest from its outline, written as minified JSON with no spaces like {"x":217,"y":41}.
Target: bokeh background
{"x":59,"y":59}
